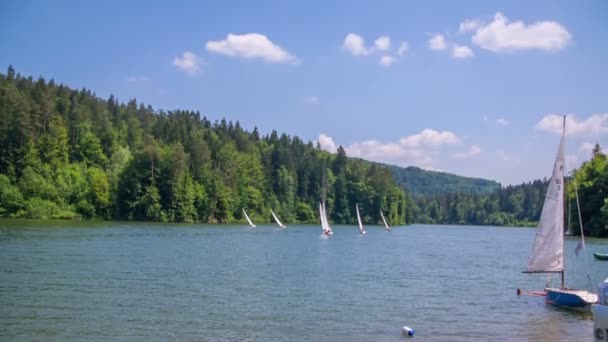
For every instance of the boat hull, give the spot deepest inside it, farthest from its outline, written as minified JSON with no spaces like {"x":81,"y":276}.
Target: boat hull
{"x":600,"y":256}
{"x":578,"y":300}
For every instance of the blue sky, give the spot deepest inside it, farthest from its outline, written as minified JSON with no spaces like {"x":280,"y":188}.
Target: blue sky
{"x":477,"y":89}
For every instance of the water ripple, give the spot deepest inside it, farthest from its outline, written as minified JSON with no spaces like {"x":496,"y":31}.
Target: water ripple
{"x":124,"y":281}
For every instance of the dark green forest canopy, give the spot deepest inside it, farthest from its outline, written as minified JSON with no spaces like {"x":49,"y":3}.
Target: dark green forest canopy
{"x":423,"y":182}
{"x":67,"y":153}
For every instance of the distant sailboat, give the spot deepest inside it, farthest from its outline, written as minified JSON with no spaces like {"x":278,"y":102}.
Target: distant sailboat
{"x":548,"y":252}
{"x":276,"y":219}
{"x":248,"y":219}
{"x":388,"y":229}
{"x":323,"y":217}
{"x":361,"y":230}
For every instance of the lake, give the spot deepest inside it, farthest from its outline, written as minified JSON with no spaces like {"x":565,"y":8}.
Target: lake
{"x":139,"y":281}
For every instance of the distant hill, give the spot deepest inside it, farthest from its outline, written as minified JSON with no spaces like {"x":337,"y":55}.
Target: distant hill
{"x":417,"y":181}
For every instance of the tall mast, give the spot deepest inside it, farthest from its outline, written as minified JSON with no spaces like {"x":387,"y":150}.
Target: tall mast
{"x":563,"y":199}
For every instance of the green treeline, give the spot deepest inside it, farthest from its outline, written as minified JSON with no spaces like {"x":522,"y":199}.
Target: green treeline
{"x":66,"y":153}
{"x":509,"y":206}
{"x":591,"y":182}
{"x":521,"y":205}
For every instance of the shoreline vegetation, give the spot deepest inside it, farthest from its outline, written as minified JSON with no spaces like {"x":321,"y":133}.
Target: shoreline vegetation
{"x":68,"y":154}
{"x":59,"y":221}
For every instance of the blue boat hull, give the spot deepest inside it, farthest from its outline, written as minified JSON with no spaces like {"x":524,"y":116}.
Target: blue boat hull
{"x":570,"y":299}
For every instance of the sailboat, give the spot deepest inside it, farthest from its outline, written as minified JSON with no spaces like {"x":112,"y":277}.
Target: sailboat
{"x":388,"y":229}
{"x":323,"y":217}
{"x":276,"y":219}
{"x":248,"y":219}
{"x":361,"y":230}
{"x":548,"y":251}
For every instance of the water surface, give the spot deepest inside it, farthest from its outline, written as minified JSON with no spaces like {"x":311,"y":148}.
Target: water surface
{"x":140,"y":281}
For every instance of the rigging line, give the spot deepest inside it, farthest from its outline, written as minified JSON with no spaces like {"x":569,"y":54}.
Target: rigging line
{"x":580,"y":222}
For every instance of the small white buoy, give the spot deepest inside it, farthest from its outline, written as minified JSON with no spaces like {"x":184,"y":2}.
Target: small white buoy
{"x":407,"y":331}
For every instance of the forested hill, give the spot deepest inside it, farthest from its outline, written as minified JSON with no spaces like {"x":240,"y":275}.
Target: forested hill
{"x":513,"y":205}
{"x":522,"y":204}
{"x":68,"y":153}
{"x":417,"y":181}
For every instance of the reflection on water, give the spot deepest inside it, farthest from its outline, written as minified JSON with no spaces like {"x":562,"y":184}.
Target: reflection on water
{"x":106,"y":281}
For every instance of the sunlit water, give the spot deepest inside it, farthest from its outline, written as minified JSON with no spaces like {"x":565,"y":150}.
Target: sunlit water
{"x":138,"y":281}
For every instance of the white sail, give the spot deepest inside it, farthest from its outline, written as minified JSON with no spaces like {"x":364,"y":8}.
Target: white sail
{"x":384,"y":220}
{"x":548,"y":252}
{"x":248,"y":219}
{"x":327,"y":227}
{"x":323,"y":216}
{"x":361,"y":230}
{"x":276,"y":219}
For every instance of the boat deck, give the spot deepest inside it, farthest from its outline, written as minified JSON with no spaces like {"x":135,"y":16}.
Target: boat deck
{"x":578,"y":300}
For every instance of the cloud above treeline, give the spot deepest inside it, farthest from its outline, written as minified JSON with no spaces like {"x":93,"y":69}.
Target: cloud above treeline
{"x":251,"y":46}
{"x":421,"y":149}
{"x":440,"y":43}
{"x":503,"y":35}
{"x":189,"y":63}
{"x":462,"y":51}
{"x":594,"y":125}
{"x":497,"y":35}
{"x":437,"y":42}
{"x":355,"y":45}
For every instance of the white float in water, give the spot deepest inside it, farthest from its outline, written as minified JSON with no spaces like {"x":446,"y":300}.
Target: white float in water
{"x":407,"y":331}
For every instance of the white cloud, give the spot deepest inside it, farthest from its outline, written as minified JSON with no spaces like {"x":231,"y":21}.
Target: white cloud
{"x":312,"y":100}
{"x":584,"y":153}
{"x":462,"y":51}
{"x":430,"y":137}
{"x":594,"y":125}
{"x":469,"y":25}
{"x":383,"y":43}
{"x":136,"y":78}
{"x":420,"y":149}
{"x":327,"y":143}
{"x":586,"y":149}
{"x":507,"y":158}
{"x":387,"y":60}
{"x":251,"y":45}
{"x":392,"y":153}
{"x":356,"y":45}
{"x":403,"y":48}
{"x":502,"y":35}
{"x":472,"y":152}
{"x":502,"y":122}
{"x":438,"y":42}
{"x":189,"y":63}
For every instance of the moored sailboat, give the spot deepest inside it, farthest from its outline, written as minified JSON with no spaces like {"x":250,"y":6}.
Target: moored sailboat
{"x":548,"y":251}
